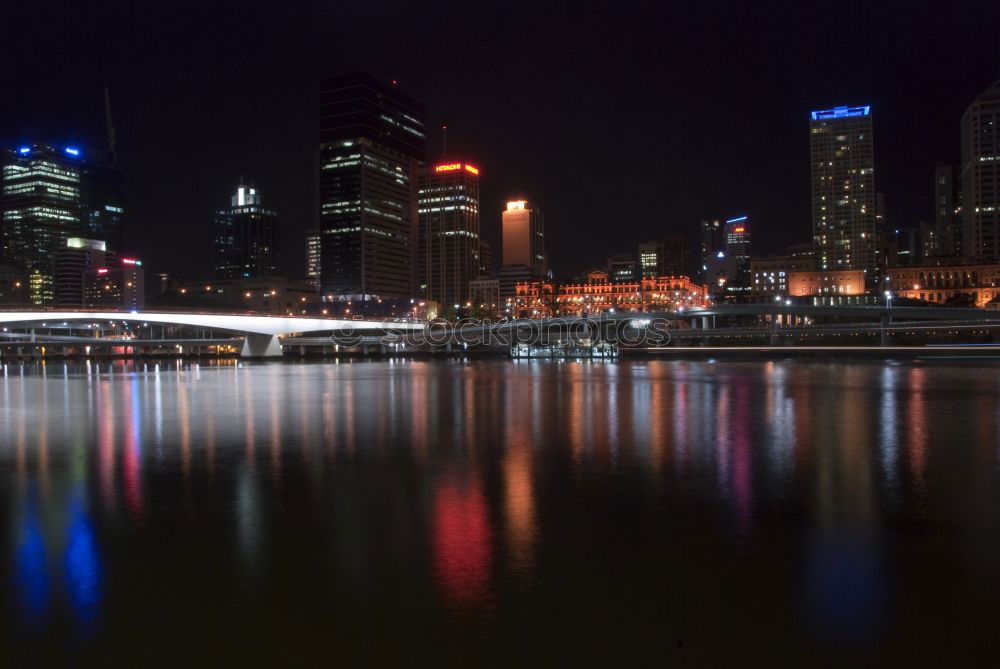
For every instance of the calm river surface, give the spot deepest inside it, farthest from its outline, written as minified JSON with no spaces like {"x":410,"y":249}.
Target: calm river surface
{"x":493,"y":512}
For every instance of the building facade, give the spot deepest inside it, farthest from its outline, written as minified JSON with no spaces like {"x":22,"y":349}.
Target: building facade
{"x":246,"y":237}
{"x":967,"y":284}
{"x":372,"y":145}
{"x":544,"y":299}
{"x":944,"y":236}
{"x":73,"y":262}
{"x":843,"y":189}
{"x":449,"y":243}
{"x":980,"y":177}
{"x":829,"y":283}
{"x":119,"y":284}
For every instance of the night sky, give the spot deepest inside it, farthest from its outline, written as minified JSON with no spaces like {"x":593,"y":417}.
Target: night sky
{"x":624,"y":121}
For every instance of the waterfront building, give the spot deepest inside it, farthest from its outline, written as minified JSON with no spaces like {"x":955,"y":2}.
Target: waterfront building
{"x":769,"y":274}
{"x":523,"y":251}
{"x":119,"y":284}
{"x":827,"y":283}
{"x":449,"y":243}
{"x":667,"y":257}
{"x":597,"y":295}
{"x":72,"y":262}
{"x":40,"y":207}
{"x":843,"y":190}
{"x":980,"y":177}
{"x":372,"y":145}
{"x":484,"y":294}
{"x":313,"y":258}
{"x":246,"y":237}
{"x":961,"y":283}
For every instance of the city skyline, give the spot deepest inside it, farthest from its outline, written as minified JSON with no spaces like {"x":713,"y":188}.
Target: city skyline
{"x":701,"y":156}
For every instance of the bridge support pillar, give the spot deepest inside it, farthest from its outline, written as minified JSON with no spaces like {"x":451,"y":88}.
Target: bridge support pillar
{"x":884,"y":338}
{"x":261,"y":346}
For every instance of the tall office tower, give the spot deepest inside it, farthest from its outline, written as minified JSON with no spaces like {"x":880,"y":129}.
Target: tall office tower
{"x":712,"y":241}
{"x":448,"y":257}
{"x":485,"y":258}
{"x":737,"y":236}
{"x":843,"y":189}
{"x":40,"y":211}
{"x":677,"y":259}
{"x":981,"y":177}
{"x":246,"y":237}
{"x":78,"y":257}
{"x":371,"y":147}
{"x":943,"y":237}
{"x":524,"y":256}
{"x":102,"y":201}
{"x":313,"y":262}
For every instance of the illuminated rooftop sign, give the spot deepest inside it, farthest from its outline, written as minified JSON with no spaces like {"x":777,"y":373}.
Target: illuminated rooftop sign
{"x":737,"y":219}
{"x":453,"y":167}
{"x":841,"y":112}
{"x":24,"y":149}
{"x":132,"y":261}
{"x":72,"y":151}
{"x":516,"y":204}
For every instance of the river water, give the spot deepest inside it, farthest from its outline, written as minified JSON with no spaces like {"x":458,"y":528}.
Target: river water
{"x":497,"y":512}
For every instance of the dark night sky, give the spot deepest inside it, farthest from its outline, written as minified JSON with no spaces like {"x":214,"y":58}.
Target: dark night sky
{"x":623,"y":120}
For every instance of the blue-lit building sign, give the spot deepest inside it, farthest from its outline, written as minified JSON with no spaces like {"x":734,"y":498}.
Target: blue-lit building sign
{"x":72,"y":151}
{"x":24,"y":150}
{"x":841,"y":112}
{"x":736,"y":220}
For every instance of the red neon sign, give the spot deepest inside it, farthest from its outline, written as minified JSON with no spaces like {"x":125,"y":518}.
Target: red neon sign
{"x":102,"y":270}
{"x":448,"y":167}
{"x":739,"y":229}
{"x":470,"y":168}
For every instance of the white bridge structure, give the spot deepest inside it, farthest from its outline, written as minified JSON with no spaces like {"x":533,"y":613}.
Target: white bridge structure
{"x":261,"y":333}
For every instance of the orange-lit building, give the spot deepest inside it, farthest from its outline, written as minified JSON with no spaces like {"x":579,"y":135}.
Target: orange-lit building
{"x":542,"y":299}
{"x":829,"y":283}
{"x":939,"y":283}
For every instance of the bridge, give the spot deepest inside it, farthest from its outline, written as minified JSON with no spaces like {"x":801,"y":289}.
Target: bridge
{"x":261,"y":335}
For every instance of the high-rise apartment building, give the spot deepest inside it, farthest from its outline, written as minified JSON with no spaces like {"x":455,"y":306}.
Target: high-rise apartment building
{"x":102,"y":203}
{"x":72,"y":262}
{"x":246,"y":237}
{"x":448,"y":258}
{"x":371,"y":146}
{"x":980,"y":178}
{"x":712,"y":241}
{"x":843,"y":189}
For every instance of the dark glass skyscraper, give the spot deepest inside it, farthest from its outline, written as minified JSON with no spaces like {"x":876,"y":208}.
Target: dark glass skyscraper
{"x":371,"y":146}
{"x":246,"y":237}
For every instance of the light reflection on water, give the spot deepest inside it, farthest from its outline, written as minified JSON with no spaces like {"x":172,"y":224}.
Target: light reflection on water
{"x":545,"y":501}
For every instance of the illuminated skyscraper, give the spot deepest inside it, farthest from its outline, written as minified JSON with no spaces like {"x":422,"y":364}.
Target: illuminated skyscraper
{"x":246,"y":237}
{"x":448,"y":258}
{"x":843,"y":189}
{"x":524,"y":256}
{"x":371,"y":147}
{"x":41,"y":210}
{"x":980,"y":178}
